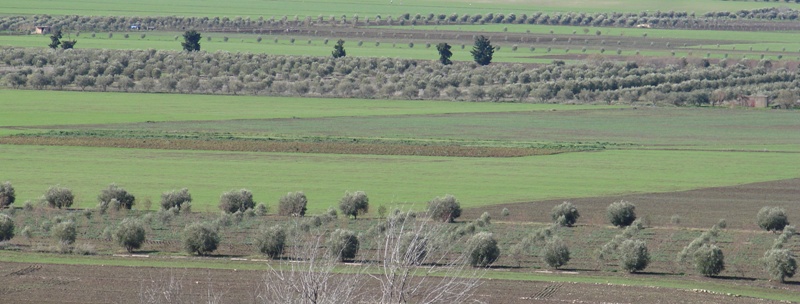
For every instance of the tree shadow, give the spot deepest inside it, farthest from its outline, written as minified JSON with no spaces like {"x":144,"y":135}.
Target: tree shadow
{"x":733,"y":278}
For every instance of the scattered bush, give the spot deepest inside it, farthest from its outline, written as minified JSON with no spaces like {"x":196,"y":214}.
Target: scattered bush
{"x":555,"y":253}
{"x":633,"y":255}
{"x":353,"y":204}
{"x":709,"y":260}
{"x":413,"y":248}
{"x":505,"y":212}
{"x":7,"y":195}
{"x":6,"y":228}
{"x":59,"y":197}
{"x":130,"y":234}
{"x":621,"y":214}
{"x":65,"y":232}
{"x":484,"y":220}
{"x":200,"y":238}
{"x":262,"y":209}
{"x":779,"y":264}
{"x":236,"y":200}
{"x":271,"y":241}
{"x":772,"y":218}
{"x":381,"y":211}
{"x":565,"y":214}
{"x":175,"y":198}
{"x":483,"y":250}
{"x":293,"y":204}
{"x":445,"y":209}
{"x":343,"y":244}
{"x":125,"y":199}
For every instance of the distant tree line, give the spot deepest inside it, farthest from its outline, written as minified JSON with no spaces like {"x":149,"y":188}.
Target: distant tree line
{"x":669,"y":81}
{"x":668,"y":19}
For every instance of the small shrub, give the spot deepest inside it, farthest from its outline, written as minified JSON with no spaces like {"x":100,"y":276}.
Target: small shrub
{"x":565,"y":214}
{"x":413,"y":248}
{"x":555,"y":253}
{"x":175,"y":198}
{"x":6,"y":228}
{"x":675,"y":219}
{"x":27,"y":233}
{"x":772,"y":218}
{"x":85,"y":249}
{"x":236,"y":200}
{"x":28,"y":206}
{"x":7,"y":195}
{"x":779,"y":264}
{"x":59,"y":197}
{"x":485,"y":219}
{"x":381,"y":211}
{"x":483,"y":250}
{"x":343,"y":244}
{"x":332,"y":212}
{"x":621,"y":214}
{"x":445,"y":209}
{"x":353,"y":204}
{"x":262,"y":209}
{"x":709,"y":260}
{"x":722,"y":224}
{"x":108,"y":233}
{"x":505,"y":212}
{"x":130,"y":234}
{"x":125,"y":199}
{"x":200,"y":238}
{"x":293,"y":204}
{"x":65,"y":232}
{"x":633,"y":255}
{"x":271,"y":241}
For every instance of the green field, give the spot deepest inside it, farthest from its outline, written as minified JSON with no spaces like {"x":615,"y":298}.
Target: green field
{"x":391,"y":180}
{"x":364,"y":8}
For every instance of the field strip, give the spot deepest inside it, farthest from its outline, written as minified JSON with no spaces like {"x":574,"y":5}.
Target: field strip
{"x":213,"y":263}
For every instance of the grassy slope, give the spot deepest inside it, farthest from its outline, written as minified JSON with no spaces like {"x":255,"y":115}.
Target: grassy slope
{"x":719,"y":286}
{"x":34,"y":108}
{"x":364,"y":8}
{"x":389,"y":180}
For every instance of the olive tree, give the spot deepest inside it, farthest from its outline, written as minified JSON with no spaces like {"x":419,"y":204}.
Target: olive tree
{"x":780,"y":264}
{"x":293,"y":204}
{"x":633,"y":255}
{"x":236,"y":200}
{"x":354,"y":204}
{"x":200,"y":238}
{"x":130,"y":234}
{"x":565,"y":214}
{"x":7,"y":195}
{"x":65,"y":232}
{"x":125,"y":199}
{"x":772,"y":218}
{"x":445,"y":209}
{"x":271,"y":241}
{"x":59,"y":197}
{"x":621,"y":214}
{"x":343,"y":244}
{"x":709,"y":260}
{"x":6,"y":228}
{"x":555,"y":253}
{"x":483,"y":249}
{"x":175,"y":198}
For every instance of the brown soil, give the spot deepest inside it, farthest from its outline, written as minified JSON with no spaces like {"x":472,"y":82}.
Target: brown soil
{"x":45,"y":283}
{"x":701,"y":208}
{"x":279,"y":146}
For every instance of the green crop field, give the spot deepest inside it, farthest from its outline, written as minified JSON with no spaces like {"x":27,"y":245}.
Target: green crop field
{"x":391,"y":180}
{"x":365,"y":8}
{"x":403,"y":181}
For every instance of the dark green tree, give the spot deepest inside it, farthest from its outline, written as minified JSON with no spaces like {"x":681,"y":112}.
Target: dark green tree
{"x":55,"y":40}
{"x":191,"y":41}
{"x":338,"y":49}
{"x":482,"y":51}
{"x":444,"y":53}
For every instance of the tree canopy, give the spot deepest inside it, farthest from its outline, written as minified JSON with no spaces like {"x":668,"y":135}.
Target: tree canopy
{"x":191,"y":41}
{"x":482,"y":51}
